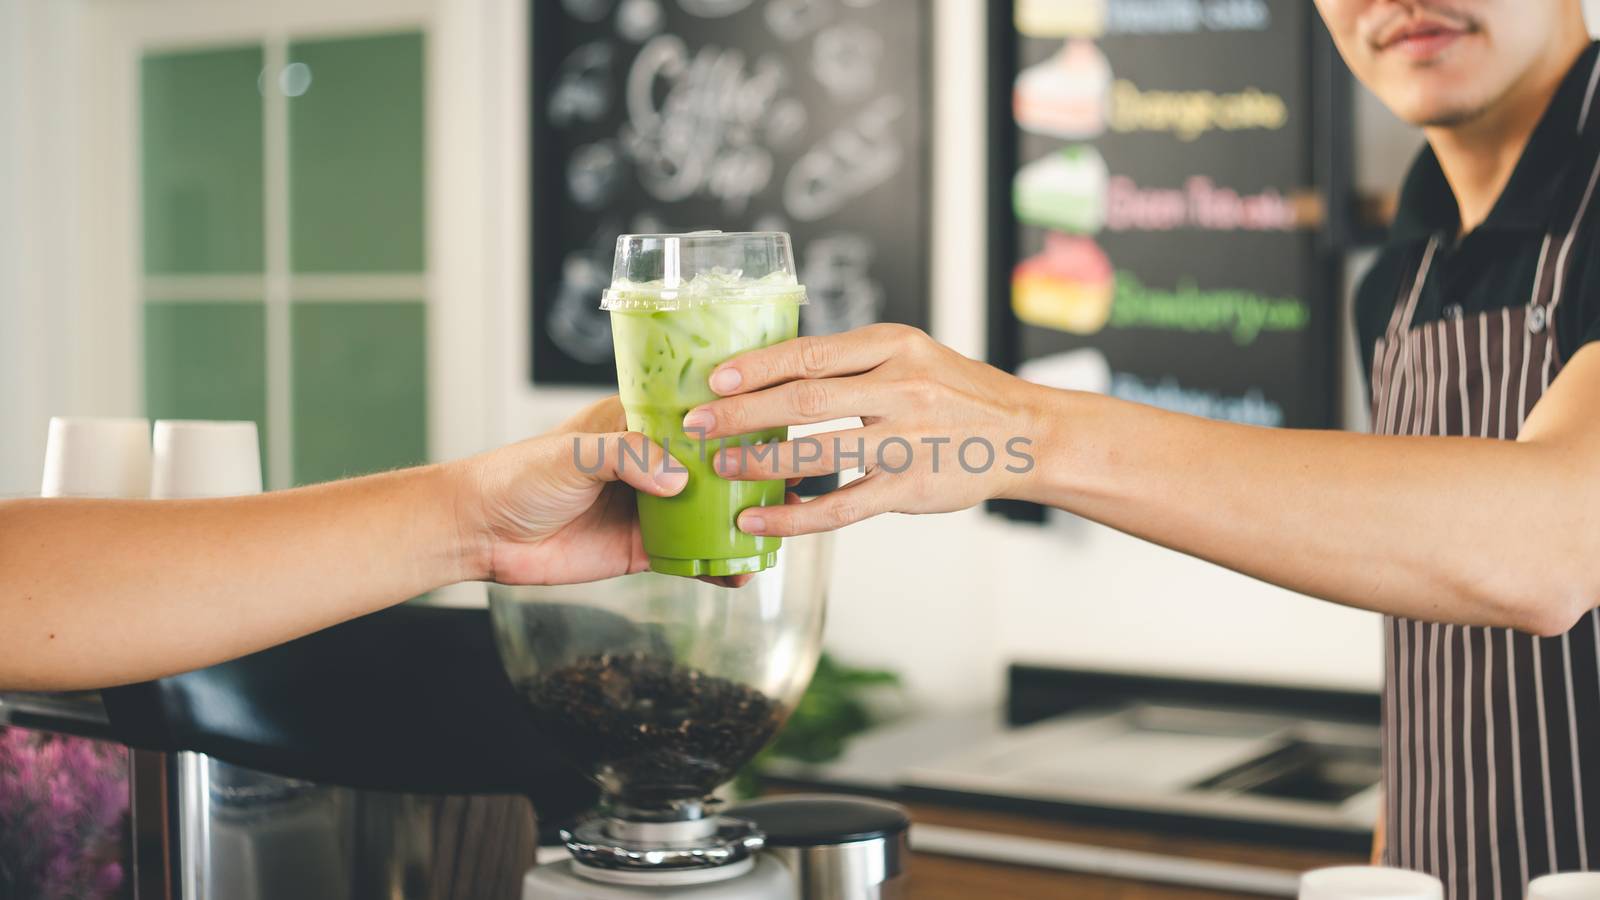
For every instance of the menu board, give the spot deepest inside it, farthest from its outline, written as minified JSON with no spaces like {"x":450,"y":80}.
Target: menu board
{"x":1160,"y":175}
{"x":805,"y":116}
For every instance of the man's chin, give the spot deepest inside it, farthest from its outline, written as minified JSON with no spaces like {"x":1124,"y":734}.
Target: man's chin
{"x":1449,"y":118}
{"x":1435,"y":113}
{"x":1429,"y":97}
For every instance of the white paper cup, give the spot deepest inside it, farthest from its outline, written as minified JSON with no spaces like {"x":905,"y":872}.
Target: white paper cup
{"x":1565,"y":886}
{"x":205,"y":459}
{"x":88,"y":457}
{"x":1369,"y":883}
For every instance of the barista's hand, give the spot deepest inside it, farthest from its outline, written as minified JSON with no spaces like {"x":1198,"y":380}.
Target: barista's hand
{"x":536,"y":516}
{"x":919,"y":401}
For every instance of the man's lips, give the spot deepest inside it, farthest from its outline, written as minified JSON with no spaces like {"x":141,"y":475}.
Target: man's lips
{"x":1421,"y":40}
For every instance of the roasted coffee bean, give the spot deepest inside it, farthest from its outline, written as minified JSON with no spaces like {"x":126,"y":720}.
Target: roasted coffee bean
{"x":650,"y":730}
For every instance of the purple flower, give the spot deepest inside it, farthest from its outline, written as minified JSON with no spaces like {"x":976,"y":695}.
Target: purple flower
{"x":63,"y":814}
{"x":108,"y":879}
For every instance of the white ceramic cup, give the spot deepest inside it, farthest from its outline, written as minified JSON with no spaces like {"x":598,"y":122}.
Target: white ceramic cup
{"x":1565,"y":886}
{"x":205,"y":459}
{"x":87,"y":457}
{"x":1369,"y":883}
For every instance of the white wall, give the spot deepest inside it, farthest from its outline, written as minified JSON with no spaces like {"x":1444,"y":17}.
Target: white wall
{"x":55,"y":354}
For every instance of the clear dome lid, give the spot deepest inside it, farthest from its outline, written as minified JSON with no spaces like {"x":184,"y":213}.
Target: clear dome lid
{"x":699,"y":268}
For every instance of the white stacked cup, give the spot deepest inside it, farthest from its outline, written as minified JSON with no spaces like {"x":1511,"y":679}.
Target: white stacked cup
{"x":1369,"y":883}
{"x":1566,"y":886}
{"x":86,"y":457}
{"x":196,"y":459}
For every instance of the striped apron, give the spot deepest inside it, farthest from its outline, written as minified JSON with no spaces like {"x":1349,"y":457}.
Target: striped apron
{"x":1491,"y":736}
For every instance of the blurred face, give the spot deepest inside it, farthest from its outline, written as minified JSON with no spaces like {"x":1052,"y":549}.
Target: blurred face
{"x":1444,"y":62}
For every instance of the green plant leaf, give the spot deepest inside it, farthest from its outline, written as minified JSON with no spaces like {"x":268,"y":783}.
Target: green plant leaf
{"x":829,"y":713}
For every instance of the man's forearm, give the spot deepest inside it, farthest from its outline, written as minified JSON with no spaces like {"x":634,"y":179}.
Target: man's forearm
{"x":1455,"y":529}
{"x":259,"y":570}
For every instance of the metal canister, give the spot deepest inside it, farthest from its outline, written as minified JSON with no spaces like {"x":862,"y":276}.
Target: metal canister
{"x":837,"y":847}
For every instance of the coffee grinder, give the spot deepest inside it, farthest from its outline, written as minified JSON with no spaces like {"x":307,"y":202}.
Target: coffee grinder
{"x":660,"y":688}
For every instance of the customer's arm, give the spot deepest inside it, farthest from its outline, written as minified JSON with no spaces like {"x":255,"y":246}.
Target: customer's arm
{"x":1474,"y":531}
{"x":101,"y":592}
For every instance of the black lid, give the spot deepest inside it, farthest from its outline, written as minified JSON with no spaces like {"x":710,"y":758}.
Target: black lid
{"x":410,"y":699}
{"x":810,"y":820}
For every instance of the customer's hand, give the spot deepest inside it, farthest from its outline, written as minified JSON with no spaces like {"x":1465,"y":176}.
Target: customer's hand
{"x":537,"y":515}
{"x":560,"y":508}
{"x":940,"y":431}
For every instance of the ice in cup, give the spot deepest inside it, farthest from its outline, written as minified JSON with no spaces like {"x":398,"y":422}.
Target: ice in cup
{"x":682,"y":304}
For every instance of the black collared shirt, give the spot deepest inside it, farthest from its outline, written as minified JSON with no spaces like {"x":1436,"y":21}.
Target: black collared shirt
{"x":1493,"y":265}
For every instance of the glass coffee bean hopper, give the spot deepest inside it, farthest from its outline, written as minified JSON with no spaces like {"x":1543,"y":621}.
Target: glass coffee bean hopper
{"x":661,"y":688}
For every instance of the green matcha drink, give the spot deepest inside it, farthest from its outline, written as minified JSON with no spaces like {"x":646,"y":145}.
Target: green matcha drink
{"x":680,"y":306}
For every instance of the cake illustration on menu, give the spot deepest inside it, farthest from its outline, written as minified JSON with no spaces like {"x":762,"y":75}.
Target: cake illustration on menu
{"x":1068,"y":286}
{"x":1061,"y":18}
{"x":1067,"y":95}
{"x":1065,"y":191}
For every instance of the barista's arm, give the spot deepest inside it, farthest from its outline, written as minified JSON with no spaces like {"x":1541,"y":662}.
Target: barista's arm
{"x":1460,"y":530}
{"x":101,"y":592}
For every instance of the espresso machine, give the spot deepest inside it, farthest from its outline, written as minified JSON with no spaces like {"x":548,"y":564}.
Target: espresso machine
{"x":660,"y":688}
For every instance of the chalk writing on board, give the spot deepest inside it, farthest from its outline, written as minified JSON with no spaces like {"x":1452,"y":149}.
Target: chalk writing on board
{"x":576,"y":325}
{"x":844,"y":59}
{"x":649,"y":222}
{"x":712,"y":9}
{"x":1189,"y":114}
{"x":587,"y":10}
{"x":1180,"y":16}
{"x":702,"y":135}
{"x":785,"y":123}
{"x":770,"y":222}
{"x":846,"y":163}
{"x":792,"y":20}
{"x":1244,"y":314}
{"x":583,"y":86}
{"x":639,"y":20}
{"x":1200,"y":203}
{"x":1250,"y":408}
{"x":662,"y":116}
{"x":593,"y":173}
{"x":837,"y":272}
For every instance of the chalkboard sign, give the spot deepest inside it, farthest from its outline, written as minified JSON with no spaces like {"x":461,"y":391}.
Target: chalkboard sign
{"x":805,"y":116}
{"x":1166,"y":180}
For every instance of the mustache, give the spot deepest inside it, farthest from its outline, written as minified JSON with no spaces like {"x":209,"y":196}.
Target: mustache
{"x":1382,"y":30}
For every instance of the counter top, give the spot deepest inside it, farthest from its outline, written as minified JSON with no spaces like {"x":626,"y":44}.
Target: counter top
{"x":1294,"y":767}
{"x":1059,"y":859}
